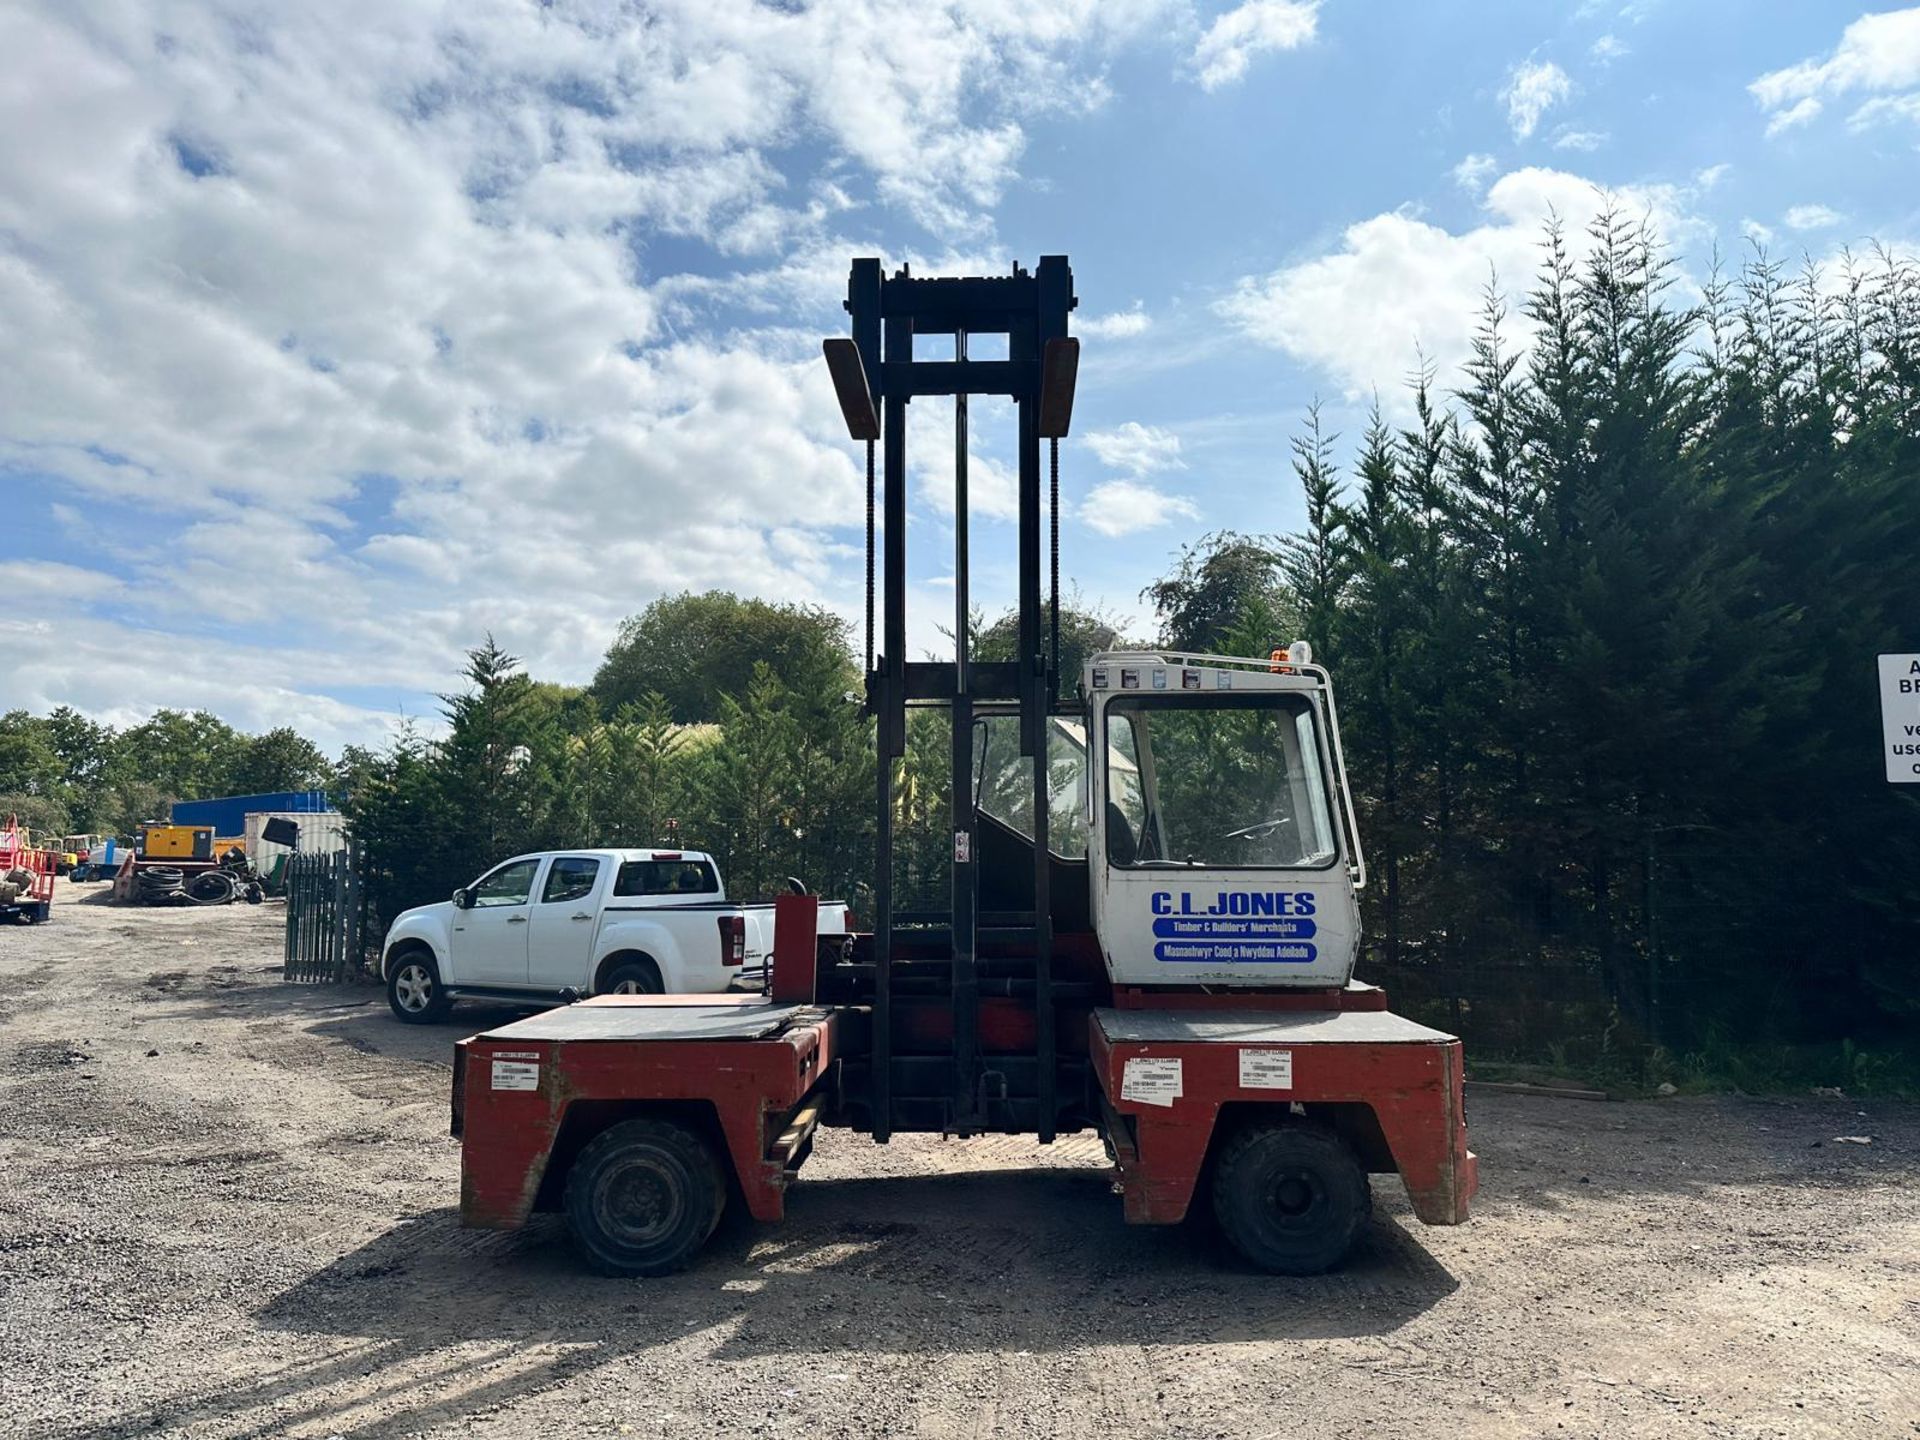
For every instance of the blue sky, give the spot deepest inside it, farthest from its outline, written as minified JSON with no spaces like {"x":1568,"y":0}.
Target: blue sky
{"x":339,"y":336}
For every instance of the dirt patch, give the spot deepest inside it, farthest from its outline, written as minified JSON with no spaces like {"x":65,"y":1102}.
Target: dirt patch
{"x":254,"y":1232}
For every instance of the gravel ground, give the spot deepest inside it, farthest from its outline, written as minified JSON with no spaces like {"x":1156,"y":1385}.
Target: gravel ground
{"x":227,"y":1208}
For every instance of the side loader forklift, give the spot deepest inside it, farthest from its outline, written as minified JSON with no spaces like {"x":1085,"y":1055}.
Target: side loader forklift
{"x":1151,"y":929}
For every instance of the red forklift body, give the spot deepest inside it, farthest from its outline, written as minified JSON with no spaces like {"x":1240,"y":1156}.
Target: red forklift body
{"x":1175,"y":974}
{"x":1390,"y":1086}
{"x":529,"y":1095}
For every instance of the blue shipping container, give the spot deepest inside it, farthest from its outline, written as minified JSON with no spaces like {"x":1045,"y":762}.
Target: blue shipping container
{"x":228,"y":815}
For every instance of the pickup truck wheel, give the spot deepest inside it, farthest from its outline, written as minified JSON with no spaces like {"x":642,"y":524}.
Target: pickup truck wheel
{"x":414,"y":990}
{"x":633,"y":977}
{"x":643,"y":1197}
{"x":1292,"y":1199}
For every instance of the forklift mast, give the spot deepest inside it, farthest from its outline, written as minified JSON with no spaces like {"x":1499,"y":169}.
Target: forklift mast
{"x":876,"y":376}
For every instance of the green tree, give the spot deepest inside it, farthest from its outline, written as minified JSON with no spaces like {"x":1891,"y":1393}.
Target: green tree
{"x":1313,"y":564}
{"x":279,"y":761}
{"x":647,"y":782}
{"x":1226,"y":584}
{"x":29,"y":763}
{"x":695,"y":649}
{"x":1084,"y":633}
{"x":496,"y":759}
{"x":186,"y":755}
{"x":42,"y":814}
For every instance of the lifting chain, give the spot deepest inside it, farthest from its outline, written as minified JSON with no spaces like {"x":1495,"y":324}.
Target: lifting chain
{"x":1053,"y":520}
{"x":869,"y":557}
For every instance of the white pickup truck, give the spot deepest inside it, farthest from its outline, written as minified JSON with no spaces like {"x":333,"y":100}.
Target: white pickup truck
{"x":539,"y":928}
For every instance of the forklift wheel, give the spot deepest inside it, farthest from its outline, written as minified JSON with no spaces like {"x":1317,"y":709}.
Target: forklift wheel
{"x":643,"y":1197}
{"x":1292,"y":1199}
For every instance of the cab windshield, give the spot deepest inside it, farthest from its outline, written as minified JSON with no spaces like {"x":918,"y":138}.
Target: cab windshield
{"x":1216,"y":781}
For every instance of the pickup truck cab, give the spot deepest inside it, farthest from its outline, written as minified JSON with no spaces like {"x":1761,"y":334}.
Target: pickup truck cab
{"x":564,"y":923}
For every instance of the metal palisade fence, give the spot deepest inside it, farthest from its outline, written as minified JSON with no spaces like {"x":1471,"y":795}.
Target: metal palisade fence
{"x":326,"y":918}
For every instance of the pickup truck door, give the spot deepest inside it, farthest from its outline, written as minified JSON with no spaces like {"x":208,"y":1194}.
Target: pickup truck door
{"x":560,"y":939}
{"x":490,"y":937}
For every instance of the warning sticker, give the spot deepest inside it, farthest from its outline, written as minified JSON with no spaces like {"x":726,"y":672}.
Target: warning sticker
{"x":1266,"y":1069}
{"x":1151,"y":1082}
{"x":516,"y":1075}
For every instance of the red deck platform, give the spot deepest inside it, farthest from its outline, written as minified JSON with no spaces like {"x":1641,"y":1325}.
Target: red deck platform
{"x":755,"y":1077}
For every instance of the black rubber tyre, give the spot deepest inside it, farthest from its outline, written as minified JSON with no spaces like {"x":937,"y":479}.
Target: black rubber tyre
{"x":643,"y":1197}
{"x":632,"y":977}
{"x":1292,"y":1199}
{"x":414,"y":992}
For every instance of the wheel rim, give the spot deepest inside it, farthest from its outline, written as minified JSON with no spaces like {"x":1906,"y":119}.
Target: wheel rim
{"x":641,"y":1201}
{"x":413,"y":988}
{"x":1295,"y":1198}
{"x":631,"y":985}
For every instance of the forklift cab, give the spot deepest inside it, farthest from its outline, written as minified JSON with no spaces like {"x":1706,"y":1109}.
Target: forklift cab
{"x":1214,"y":820}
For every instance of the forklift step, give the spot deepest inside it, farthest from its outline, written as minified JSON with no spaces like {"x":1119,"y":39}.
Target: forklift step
{"x":793,"y":1140}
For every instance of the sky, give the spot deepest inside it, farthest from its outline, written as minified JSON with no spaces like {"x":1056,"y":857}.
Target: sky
{"x":336,"y":337}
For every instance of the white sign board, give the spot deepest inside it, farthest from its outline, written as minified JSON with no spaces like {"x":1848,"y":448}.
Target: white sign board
{"x":516,"y":1074}
{"x":1151,"y":1082}
{"x":1266,"y":1069}
{"x":1900,"y":717}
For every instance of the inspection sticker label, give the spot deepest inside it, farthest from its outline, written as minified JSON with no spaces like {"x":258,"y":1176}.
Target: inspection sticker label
{"x":1266,"y":1069}
{"x":1151,"y":1082}
{"x":516,"y":1074}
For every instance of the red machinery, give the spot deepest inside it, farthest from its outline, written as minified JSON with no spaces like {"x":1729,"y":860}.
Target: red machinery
{"x":1151,"y":927}
{"x":26,"y":877}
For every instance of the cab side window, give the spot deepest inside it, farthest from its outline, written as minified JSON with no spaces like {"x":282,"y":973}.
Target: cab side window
{"x":571,"y":878}
{"x":509,"y":885}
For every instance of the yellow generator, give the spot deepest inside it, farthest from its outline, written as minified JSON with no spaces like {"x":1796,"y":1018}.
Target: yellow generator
{"x":177,"y":842}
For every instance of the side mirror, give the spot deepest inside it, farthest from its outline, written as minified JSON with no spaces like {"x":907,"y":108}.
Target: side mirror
{"x":463,"y":899}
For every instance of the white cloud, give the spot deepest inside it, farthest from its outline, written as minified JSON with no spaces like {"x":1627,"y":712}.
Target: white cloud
{"x":993,"y":489}
{"x":1886,"y":109}
{"x":1567,"y":138}
{"x":1121,"y":325}
{"x":1473,"y":173}
{"x":1706,"y":179}
{"x":24,"y":582}
{"x":1123,"y":507}
{"x":1813,"y":217}
{"x":1609,"y":48}
{"x":363,"y":315}
{"x":1533,"y":88}
{"x":1401,"y":291}
{"x":122,"y":673}
{"x":1801,"y":112}
{"x":1138,"y":449}
{"x":1756,"y":231}
{"x":1253,"y":28}
{"x":1876,"y":53}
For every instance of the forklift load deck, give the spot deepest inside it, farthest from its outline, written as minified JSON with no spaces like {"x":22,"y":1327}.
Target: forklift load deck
{"x":1151,"y":930}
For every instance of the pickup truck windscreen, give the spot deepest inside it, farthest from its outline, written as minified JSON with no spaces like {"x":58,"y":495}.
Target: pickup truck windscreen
{"x":666,"y":877}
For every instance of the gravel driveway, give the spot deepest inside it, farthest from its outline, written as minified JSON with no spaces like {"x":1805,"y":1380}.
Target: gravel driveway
{"x":227,"y":1208}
